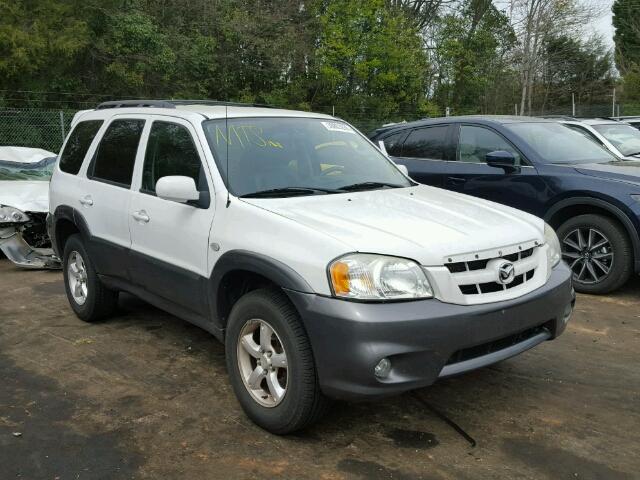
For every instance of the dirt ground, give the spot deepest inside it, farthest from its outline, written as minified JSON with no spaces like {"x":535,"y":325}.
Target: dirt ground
{"x":145,"y":395}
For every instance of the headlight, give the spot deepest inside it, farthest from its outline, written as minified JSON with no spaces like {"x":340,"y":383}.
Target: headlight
{"x":553,"y":252}
{"x":12,"y":215}
{"x":378,"y":277}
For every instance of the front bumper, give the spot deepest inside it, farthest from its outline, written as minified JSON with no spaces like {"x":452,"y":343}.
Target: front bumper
{"x":426,"y":339}
{"x":16,"y":249}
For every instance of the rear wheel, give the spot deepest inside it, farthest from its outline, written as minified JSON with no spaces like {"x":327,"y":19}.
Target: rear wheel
{"x":88,"y":297}
{"x":270,"y":363}
{"x":598,"y":251}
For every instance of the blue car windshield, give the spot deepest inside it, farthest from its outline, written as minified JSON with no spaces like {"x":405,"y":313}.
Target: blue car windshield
{"x":297,"y":156}
{"x":556,"y":143}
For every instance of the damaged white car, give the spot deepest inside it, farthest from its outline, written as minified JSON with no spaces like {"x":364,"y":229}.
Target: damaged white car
{"x":24,"y":203}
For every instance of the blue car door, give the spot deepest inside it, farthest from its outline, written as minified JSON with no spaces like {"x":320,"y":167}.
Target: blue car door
{"x":425,"y":151}
{"x":521,"y":187}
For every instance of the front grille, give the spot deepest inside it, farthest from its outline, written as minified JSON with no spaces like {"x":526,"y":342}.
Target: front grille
{"x":457,"y":267}
{"x":496,"y":345}
{"x":491,"y":287}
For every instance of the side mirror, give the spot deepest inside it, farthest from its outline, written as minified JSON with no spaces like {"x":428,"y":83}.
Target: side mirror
{"x":502,"y":159}
{"x":177,"y":189}
{"x":403,"y":169}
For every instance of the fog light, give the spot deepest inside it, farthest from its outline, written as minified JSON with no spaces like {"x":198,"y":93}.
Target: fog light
{"x":383,"y":368}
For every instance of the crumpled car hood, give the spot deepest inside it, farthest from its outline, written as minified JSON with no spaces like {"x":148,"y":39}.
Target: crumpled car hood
{"x":24,"y":195}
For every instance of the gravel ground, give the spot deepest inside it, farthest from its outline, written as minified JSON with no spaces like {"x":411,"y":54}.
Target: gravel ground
{"x":145,"y":395}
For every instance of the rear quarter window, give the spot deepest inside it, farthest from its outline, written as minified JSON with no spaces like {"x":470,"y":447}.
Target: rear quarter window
{"x":77,"y":145}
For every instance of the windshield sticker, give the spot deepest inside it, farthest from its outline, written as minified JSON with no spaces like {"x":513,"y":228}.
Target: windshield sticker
{"x":338,"y":127}
{"x":245,"y":136}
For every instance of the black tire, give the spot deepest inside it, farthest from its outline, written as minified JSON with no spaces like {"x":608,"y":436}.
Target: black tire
{"x":621,"y":265}
{"x":100,"y":302}
{"x":303,"y":403}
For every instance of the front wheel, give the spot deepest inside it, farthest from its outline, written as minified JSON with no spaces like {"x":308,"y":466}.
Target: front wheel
{"x":270,"y":363}
{"x":598,"y":251}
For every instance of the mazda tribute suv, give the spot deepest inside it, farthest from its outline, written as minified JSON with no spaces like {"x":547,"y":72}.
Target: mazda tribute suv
{"x":290,"y":237}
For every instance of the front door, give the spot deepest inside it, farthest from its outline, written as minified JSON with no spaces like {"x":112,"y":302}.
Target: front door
{"x":170,"y":240}
{"x":470,"y":173}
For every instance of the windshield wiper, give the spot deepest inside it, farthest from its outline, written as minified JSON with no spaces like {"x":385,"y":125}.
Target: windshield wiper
{"x":289,"y":191}
{"x":370,"y":186}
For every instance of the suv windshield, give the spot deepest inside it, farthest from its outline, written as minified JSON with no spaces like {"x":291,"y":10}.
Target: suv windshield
{"x":297,"y":156}
{"x":556,"y":143}
{"x":624,"y":137}
{"x":41,"y":170}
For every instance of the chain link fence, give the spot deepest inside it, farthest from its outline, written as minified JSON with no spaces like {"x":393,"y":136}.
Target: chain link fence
{"x":47,"y":128}
{"x":34,"y":128}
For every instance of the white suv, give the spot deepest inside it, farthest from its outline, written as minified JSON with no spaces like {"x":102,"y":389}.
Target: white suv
{"x":324,"y":269}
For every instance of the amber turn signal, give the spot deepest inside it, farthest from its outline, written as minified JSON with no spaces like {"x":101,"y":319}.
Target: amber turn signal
{"x":340,"y":278}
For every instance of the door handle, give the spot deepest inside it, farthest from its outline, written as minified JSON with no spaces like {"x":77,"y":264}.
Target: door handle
{"x":141,"y":216}
{"x":456,"y":181}
{"x":87,"y":201}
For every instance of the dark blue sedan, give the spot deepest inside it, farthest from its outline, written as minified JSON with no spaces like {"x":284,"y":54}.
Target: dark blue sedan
{"x":590,"y":197}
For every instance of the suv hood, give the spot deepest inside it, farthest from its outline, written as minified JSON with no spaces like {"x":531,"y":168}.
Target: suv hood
{"x":24,"y":195}
{"x":623,"y":171}
{"x":423,"y":223}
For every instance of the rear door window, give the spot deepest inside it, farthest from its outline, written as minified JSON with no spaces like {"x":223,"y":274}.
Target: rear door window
{"x":171,"y":151}
{"x":76,"y":148}
{"x":393,"y":143}
{"x":116,"y":155}
{"x":428,"y":142}
{"x":476,"y":142}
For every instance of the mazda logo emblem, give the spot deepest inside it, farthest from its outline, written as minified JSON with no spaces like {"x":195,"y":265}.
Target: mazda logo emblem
{"x":506,"y":273}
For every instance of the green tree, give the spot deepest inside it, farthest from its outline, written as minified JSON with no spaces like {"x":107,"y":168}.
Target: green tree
{"x":369,"y":62}
{"x":40,"y":43}
{"x":472,"y":48}
{"x":573,"y":66}
{"x":626,"y":21}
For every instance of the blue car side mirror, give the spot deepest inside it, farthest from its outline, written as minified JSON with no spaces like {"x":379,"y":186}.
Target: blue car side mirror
{"x":502,"y":159}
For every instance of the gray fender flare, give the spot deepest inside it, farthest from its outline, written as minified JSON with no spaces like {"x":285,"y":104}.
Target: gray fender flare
{"x":269,"y":268}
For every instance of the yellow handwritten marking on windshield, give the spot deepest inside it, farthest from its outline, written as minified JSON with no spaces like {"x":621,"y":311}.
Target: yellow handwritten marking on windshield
{"x":245,"y":136}
{"x":337,"y":143}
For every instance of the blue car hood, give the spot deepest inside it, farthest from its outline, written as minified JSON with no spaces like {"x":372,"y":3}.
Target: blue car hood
{"x":627,"y":171}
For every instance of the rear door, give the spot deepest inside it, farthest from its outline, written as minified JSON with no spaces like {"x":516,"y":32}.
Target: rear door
{"x":425,"y":152}
{"x":170,"y":240}
{"x":104,"y":194}
{"x":470,"y":174}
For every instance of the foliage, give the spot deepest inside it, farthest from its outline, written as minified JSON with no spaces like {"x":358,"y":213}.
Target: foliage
{"x":472,"y":46}
{"x":626,"y":21}
{"x":373,"y":61}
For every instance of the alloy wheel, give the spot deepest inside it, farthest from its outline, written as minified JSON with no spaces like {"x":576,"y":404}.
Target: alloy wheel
{"x":262,"y":362}
{"x":589,"y":253}
{"x":77,"y":274}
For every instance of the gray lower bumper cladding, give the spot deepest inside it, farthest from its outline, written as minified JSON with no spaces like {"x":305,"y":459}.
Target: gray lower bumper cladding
{"x":425,"y":340}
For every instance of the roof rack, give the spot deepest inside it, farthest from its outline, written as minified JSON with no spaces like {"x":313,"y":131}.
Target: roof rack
{"x":173,"y":104}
